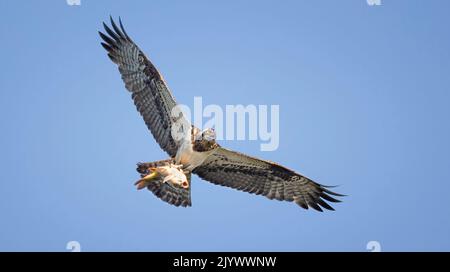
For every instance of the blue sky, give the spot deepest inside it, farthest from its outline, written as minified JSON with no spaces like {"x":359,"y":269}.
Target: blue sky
{"x":363,"y":94}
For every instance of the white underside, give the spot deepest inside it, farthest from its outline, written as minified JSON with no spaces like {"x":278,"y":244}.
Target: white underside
{"x":189,"y":158}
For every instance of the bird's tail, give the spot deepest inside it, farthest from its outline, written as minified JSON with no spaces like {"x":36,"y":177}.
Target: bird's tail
{"x":174,"y":195}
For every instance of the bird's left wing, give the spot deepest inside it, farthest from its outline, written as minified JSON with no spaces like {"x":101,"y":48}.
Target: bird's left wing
{"x":150,"y":92}
{"x":239,"y":171}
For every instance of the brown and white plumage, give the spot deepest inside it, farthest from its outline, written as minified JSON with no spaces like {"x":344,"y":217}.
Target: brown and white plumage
{"x":201,"y":154}
{"x":150,"y":92}
{"x":239,"y":171}
{"x":168,"y":192}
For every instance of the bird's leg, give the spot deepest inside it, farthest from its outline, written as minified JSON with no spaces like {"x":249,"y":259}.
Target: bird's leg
{"x":143,"y":168}
{"x":146,"y":179}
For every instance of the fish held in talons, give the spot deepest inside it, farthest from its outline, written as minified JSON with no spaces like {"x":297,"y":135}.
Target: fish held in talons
{"x":144,"y":181}
{"x":172,"y":174}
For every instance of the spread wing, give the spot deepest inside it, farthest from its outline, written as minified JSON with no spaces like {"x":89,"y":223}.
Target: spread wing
{"x":242,"y":172}
{"x":173,"y":195}
{"x":149,"y":91}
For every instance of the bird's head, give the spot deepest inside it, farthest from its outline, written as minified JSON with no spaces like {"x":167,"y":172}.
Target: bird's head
{"x":205,"y":141}
{"x":209,"y":134}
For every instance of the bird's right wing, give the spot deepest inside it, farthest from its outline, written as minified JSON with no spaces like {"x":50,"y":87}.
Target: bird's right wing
{"x":150,"y":92}
{"x":242,"y":172}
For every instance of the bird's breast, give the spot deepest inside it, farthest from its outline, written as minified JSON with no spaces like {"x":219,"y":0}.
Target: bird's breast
{"x":189,"y":158}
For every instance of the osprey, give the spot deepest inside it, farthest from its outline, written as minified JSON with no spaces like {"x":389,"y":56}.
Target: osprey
{"x":197,"y":152}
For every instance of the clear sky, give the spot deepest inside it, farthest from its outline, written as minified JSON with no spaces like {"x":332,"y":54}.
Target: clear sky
{"x":364,"y":98}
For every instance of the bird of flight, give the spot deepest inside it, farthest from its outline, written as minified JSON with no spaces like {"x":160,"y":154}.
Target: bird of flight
{"x":197,"y":152}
